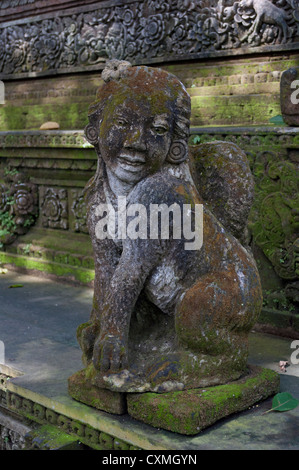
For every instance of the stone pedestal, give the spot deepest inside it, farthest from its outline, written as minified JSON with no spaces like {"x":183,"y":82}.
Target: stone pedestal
{"x":190,"y":411}
{"x":80,"y":387}
{"x":185,"y":412}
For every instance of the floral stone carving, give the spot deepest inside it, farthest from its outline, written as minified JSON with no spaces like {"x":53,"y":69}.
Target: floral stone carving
{"x":143,"y":31}
{"x":165,"y":317}
{"x":274,"y":219}
{"x":18,"y":206}
{"x":78,"y":208}
{"x":54,"y":210}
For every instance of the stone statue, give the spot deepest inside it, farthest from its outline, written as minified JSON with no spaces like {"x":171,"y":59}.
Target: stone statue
{"x":168,"y":313}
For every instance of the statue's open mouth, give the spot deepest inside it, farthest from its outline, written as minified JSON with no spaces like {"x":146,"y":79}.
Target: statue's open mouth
{"x":130,"y":162}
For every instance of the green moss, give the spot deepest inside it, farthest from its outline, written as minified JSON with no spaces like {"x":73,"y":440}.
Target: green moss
{"x":190,"y":411}
{"x":84,"y":276}
{"x":68,"y":116}
{"x":231,"y":110}
{"x":50,"y":437}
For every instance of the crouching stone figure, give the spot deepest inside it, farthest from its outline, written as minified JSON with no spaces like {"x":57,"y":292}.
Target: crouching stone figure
{"x":175,"y":292}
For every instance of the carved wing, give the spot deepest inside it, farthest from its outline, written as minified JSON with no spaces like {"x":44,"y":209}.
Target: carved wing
{"x":223,"y":178}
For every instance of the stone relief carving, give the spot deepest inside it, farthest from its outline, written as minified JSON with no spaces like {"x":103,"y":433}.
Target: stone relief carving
{"x":41,"y":414}
{"x":147,"y":30}
{"x":267,"y":13}
{"x":14,"y":3}
{"x":54,"y":210}
{"x":274,"y":220}
{"x":18,"y":206}
{"x":78,"y":208}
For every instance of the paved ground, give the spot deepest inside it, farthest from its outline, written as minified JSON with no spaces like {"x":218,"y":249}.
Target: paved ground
{"x":38,"y":324}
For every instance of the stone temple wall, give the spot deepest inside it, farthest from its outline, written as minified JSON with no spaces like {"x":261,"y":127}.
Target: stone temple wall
{"x":51,"y":53}
{"x":229,"y":54}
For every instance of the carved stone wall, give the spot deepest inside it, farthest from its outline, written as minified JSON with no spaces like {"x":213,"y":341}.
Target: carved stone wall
{"x":90,"y":436}
{"x":58,"y":165}
{"x":229,"y":54}
{"x":273,"y":154}
{"x":223,"y":92}
{"x":145,"y":31}
{"x":28,"y":425}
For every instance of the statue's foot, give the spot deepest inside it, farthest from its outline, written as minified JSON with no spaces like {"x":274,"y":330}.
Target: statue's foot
{"x":110,"y":354}
{"x":172,"y":372}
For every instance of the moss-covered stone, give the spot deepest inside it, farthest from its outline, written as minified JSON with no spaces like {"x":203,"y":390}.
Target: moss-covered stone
{"x":47,"y":437}
{"x":72,"y":273}
{"x":81,"y":388}
{"x":190,"y":411}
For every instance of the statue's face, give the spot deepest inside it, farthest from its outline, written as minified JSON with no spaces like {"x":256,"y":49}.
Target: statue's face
{"x":135,"y":136}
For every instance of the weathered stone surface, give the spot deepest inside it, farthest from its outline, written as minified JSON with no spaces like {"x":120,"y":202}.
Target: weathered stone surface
{"x":191,"y":411}
{"x":81,"y":388}
{"x":144,"y":31}
{"x":223,"y":178}
{"x":164,"y":317}
{"x":273,"y":223}
{"x":289,"y":102}
{"x":213,"y":86}
{"x":18,"y":205}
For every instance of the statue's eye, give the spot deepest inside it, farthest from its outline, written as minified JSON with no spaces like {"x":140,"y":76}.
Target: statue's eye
{"x":160,"y":130}
{"x":120,"y":122}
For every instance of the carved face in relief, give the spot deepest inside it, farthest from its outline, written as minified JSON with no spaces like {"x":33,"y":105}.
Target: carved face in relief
{"x":139,"y":121}
{"x":134,"y":142}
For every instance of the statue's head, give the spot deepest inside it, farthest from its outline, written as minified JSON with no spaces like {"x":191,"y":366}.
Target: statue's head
{"x":140,"y":120}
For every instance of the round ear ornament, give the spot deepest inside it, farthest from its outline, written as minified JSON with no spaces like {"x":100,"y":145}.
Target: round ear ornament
{"x":91,"y":134}
{"x":178,"y":152}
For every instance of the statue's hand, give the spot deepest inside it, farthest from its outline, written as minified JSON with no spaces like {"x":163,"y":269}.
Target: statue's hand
{"x":110,"y":353}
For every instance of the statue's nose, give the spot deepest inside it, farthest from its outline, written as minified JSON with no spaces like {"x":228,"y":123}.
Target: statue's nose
{"x":136,"y":139}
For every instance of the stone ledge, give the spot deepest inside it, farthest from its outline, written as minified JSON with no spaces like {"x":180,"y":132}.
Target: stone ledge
{"x":81,"y":389}
{"x":58,"y":270}
{"x":190,"y":411}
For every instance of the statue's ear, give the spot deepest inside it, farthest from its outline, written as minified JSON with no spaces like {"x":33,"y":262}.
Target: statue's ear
{"x":178,"y":152}
{"x":91,"y":134}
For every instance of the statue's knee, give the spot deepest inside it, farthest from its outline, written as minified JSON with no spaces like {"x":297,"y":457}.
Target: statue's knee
{"x":214,"y":312}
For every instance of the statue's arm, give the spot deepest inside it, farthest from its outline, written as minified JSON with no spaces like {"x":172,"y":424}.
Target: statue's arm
{"x":138,"y":259}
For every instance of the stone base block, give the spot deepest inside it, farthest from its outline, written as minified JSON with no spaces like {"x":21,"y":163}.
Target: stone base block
{"x":81,"y":389}
{"x":190,"y":411}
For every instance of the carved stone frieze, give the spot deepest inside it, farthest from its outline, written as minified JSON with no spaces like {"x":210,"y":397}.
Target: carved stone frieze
{"x":274,"y":218}
{"x":145,"y":31}
{"x":78,"y":209}
{"x":43,"y":139}
{"x":90,"y":436}
{"x":18,"y":205}
{"x":54,"y":209}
